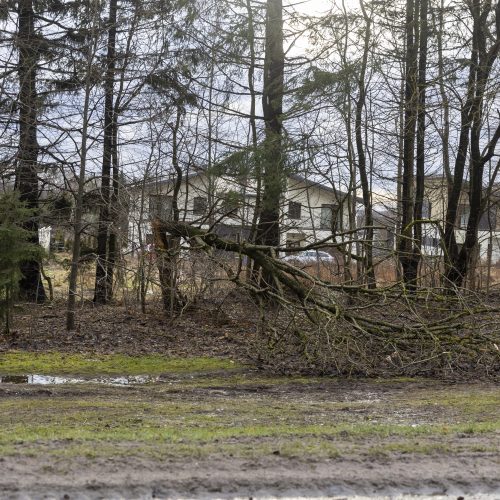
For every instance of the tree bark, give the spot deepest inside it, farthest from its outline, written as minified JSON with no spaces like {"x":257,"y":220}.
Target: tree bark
{"x":253,"y":121}
{"x":421,"y":127}
{"x":360,"y":147}
{"x":113,"y":242}
{"x":167,"y":247}
{"x":268,"y":231}
{"x":481,"y":63}
{"x":31,"y":286}
{"x":101,"y":292}
{"x":78,"y":222}
{"x":409,"y":265}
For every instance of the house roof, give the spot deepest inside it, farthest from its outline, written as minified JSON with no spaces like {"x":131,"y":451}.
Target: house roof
{"x":297,"y":177}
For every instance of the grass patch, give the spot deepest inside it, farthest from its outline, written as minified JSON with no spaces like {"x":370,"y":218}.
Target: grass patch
{"x":22,"y":363}
{"x":243,"y":414}
{"x":482,"y":404}
{"x":245,"y":427}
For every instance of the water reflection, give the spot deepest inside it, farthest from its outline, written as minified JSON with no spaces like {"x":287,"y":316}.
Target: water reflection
{"x":52,"y":380}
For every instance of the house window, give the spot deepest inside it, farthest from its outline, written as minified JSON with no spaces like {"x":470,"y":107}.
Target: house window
{"x":294,"y":210}
{"x":328,"y":220}
{"x":200,"y":205}
{"x":463,"y":216}
{"x":294,"y":240}
{"x":430,"y":241}
{"x":160,"y":206}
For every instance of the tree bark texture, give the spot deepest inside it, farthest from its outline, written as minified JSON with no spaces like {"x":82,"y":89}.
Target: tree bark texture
{"x":369,"y":270}
{"x":409,"y":270}
{"x":101,"y":291}
{"x":268,"y":232}
{"x":31,"y":286}
{"x":481,"y":62}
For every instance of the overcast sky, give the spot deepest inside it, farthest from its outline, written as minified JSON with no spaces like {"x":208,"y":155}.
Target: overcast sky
{"x":319,"y":6}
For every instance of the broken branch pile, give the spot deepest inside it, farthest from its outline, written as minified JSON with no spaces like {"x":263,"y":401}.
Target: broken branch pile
{"x":314,"y":325}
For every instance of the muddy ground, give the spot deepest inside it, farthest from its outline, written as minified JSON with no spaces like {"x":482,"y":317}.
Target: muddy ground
{"x":274,"y":477}
{"x":244,"y":434}
{"x":231,"y":432}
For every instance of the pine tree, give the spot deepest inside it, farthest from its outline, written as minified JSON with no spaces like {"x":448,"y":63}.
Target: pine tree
{"x":16,"y":248}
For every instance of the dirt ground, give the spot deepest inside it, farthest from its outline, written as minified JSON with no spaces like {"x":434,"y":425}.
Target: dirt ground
{"x":244,"y":434}
{"x":273,"y":477}
{"x":232,"y":433}
{"x":204,"y":330}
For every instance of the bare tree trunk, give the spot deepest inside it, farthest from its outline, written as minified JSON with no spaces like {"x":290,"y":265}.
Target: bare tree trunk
{"x":481,"y":63}
{"x":445,"y":134}
{"x":78,"y":221}
{"x":253,"y":121}
{"x":268,"y":232}
{"x":113,"y":246}
{"x":31,"y":286}
{"x":360,"y":147}
{"x":101,"y":293}
{"x":421,"y":127}
{"x":406,"y":253}
{"x":168,"y":247}
{"x":113,"y":252}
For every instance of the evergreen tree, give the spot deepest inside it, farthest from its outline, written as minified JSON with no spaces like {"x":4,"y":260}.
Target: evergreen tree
{"x":16,"y":248}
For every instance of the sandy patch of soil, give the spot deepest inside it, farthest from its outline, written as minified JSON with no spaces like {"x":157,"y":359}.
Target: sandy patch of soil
{"x":232,"y":478}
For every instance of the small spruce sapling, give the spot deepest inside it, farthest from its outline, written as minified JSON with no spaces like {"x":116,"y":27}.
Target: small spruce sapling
{"x":15,"y":248}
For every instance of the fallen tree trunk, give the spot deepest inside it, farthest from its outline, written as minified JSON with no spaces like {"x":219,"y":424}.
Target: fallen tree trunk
{"x":317,"y":296}
{"x":324,"y":327}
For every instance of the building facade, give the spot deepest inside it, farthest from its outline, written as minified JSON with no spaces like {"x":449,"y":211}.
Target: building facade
{"x":310,"y":211}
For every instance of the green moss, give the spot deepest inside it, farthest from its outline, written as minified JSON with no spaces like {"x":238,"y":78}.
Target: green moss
{"x":399,"y":380}
{"x":20,"y":363}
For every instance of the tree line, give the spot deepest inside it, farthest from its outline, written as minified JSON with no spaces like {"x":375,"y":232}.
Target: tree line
{"x":370,"y":98}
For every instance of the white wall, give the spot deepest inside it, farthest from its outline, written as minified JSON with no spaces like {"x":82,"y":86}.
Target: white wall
{"x":309,"y":195}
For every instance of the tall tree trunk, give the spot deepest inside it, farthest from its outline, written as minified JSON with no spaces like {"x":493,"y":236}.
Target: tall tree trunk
{"x":453,"y":274}
{"x":31,"y":287}
{"x":101,"y":292}
{"x":253,"y":121}
{"x":268,"y":231}
{"x":421,"y":126}
{"x":78,"y":222}
{"x":406,"y":253}
{"x":445,"y":103}
{"x":113,"y":251}
{"x":360,"y":147}
{"x":481,"y":62}
{"x":113,"y":243}
{"x":167,"y":247}
{"x":253,"y":135}
{"x":351,"y":201}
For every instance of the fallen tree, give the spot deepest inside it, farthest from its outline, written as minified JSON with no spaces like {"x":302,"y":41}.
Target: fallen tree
{"x":349,"y":328}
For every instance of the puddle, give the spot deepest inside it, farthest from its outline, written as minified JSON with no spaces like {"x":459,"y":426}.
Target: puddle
{"x":50,"y":380}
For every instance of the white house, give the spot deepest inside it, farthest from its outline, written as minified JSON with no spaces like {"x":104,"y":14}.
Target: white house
{"x":310,"y":211}
{"x":436,"y":200}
